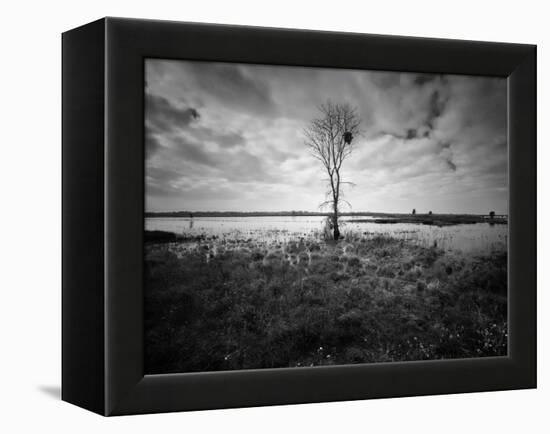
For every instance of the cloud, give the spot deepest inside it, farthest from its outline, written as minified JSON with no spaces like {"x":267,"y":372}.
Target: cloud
{"x":231,"y":83}
{"x":152,"y":143}
{"x":451,"y":165}
{"x":163,"y":115}
{"x":230,"y":136}
{"x":422,"y":79}
{"x":224,"y":139}
{"x":220,"y":85}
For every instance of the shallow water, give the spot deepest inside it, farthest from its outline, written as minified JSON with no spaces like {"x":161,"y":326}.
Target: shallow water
{"x":478,"y":237}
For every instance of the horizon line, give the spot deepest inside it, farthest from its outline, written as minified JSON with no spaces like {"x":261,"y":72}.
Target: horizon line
{"x":318,"y":212}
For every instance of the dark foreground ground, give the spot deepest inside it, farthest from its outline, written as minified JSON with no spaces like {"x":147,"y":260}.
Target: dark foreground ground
{"x":221,"y":305}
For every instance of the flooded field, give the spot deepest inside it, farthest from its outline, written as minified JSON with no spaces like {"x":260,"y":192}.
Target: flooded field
{"x":266,"y":292}
{"x":472,"y":238}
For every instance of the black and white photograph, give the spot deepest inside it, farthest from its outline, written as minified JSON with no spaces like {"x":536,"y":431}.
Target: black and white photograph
{"x":299,"y":217}
{"x":286,"y":217}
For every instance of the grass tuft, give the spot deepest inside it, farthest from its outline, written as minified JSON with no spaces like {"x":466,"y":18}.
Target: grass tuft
{"x":246,"y":305}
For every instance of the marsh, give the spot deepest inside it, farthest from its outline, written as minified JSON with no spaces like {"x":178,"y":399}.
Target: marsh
{"x":272,"y":292}
{"x":300,"y":217}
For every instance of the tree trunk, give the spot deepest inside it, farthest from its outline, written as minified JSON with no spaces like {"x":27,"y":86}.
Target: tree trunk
{"x":335,"y":228}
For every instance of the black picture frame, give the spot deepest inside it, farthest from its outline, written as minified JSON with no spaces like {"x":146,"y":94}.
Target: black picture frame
{"x":103,"y":211}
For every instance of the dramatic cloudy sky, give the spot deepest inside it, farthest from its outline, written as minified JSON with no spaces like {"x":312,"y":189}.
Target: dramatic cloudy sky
{"x":229,"y":137}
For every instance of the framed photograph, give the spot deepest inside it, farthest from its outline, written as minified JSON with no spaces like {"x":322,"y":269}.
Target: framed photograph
{"x":263,"y":216}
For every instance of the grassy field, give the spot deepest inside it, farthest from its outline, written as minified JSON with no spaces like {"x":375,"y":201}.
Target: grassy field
{"x":216,"y":304}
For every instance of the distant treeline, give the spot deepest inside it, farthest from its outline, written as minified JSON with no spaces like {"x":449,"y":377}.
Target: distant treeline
{"x":190,"y":214}
{"x":438,"y":219}
{"x":236,"y":213}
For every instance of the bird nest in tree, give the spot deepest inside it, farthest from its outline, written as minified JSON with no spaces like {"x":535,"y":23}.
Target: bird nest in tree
{"x":348,"y":137}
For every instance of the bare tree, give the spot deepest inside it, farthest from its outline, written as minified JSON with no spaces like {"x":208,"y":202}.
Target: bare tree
{"x":329,"y":138}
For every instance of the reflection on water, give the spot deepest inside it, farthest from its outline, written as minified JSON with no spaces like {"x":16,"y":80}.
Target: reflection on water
{"x":478,"y":237}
